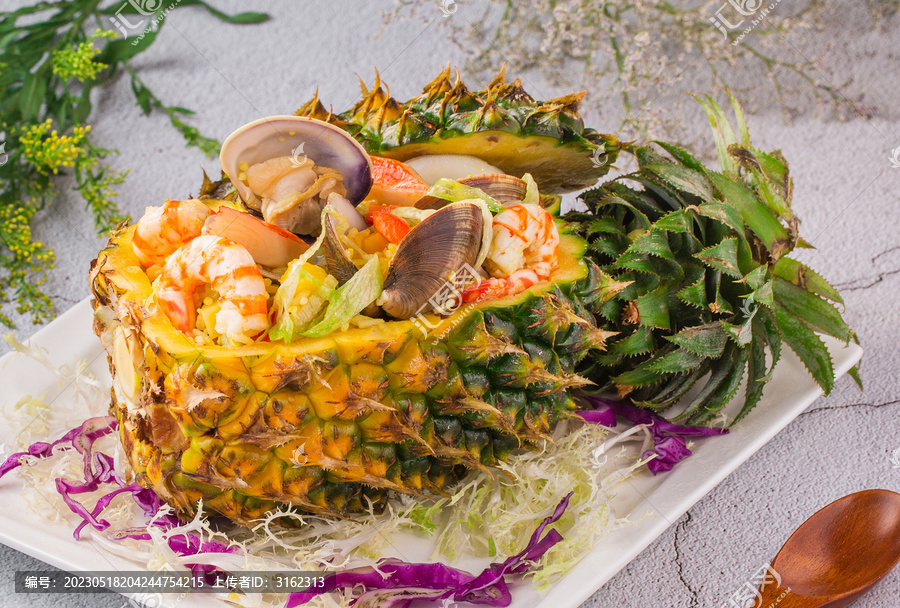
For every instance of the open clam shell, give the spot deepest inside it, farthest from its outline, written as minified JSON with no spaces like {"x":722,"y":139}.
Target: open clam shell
{"x":505,"y":189}
{"x":338,"y":264}
{"x":297,"y":137}
{"x":429,"y":259}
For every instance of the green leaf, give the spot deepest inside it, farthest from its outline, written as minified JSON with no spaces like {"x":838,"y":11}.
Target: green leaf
{"x":743,"y":132}
{"x":757,"y":375}
{"x":638,"y":343}
{"x":704,"y":340}
{"x":32,"y":97}
{"x":637,"y":377}
{"x":653,"y":308}
{"x":654,"y":243}
{"x":757,"y":216}
{"x":675,"y":388}
{"x":803,"y":276}
{"x":681,"y":155}
{"x":776,"y":169}
{"x":765,"y":294}
{"x":726,"y":390}
{"x":121,"y":50}
{"x":853,"y":372}
{"x":722,"y":133}
{"x":769,"y":331}
{"x":142,"y":95}
{"x":676,"y":221}
{"x":812,"y":309}
{"x":83,"y":107}
{"x":695,"y":294}
{"x":239,"y":19}
{"x":720,"y":370}
{"x":676,"y":362}
{"x":741,"y":334}
{"x":723,"y":213}
{"x":720,"y":304}
{"x":607,"y":225}
{"x":723,"y":256}
{"x":767,"y":192}
{"x":688,"y":180}
{"x":807,"y":346}
{"x":756,"y":277}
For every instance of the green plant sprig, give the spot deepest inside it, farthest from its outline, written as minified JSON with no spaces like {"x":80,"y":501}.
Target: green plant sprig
{"x":52,"y":55}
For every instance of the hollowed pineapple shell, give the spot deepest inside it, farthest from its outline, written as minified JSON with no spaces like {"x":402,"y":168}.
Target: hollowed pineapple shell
{"x":323,"y":425}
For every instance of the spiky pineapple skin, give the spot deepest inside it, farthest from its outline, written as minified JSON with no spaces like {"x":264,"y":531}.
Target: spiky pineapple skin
{"x":330,"y":425}
{"x":502,"y":125}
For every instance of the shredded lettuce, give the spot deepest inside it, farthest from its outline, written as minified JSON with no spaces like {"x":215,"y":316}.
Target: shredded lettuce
{"x":454,"y":192}
{"x":349,"y":299}
{"x":532,"y":195}
{"x":285,"y":328}
{"x":397,"y":582}
{"x":412,"y":215}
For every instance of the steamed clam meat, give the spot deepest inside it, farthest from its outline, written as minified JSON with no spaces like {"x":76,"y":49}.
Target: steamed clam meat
{"x":288,"y":167}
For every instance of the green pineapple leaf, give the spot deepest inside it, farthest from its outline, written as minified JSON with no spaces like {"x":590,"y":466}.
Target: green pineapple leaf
{"x":807,"y":345}
{"x":704,"y":340}
{"x":803,"y":276}
{"x":712,"y":294}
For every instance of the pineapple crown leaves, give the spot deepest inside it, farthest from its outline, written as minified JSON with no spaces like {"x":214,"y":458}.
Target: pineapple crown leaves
{"x":712,"y":288}
{"x":446,"y":105}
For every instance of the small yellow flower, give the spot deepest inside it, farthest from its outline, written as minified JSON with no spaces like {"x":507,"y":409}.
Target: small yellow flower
{"x":78,"y":62}
{"x":49,"y":152}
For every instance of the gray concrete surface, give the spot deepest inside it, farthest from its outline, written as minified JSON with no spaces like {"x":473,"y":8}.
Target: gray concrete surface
{"x":846,"y":193}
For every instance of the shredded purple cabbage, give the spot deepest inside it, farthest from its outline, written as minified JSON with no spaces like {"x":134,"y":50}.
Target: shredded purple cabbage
{"x":398,"y":583}
{"x":81,"y":438}
{"x":99,"y":469}
{"x":669,"y":444}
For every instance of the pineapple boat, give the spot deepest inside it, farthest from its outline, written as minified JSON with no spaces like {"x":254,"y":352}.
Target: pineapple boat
{"x":329,"y":324}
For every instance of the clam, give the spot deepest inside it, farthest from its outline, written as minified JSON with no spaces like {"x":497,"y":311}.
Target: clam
{"x":287,"y":167}
{"x":505,"y":189}
{"x":430,"y":259}
{"x":338,"y":263}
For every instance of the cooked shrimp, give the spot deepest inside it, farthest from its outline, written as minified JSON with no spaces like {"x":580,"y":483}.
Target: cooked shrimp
{"x":164,"y":229}
{"x":523,"y":252}
{"x":230,"y":270}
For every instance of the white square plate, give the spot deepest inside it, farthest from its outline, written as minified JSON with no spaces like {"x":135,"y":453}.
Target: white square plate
{"x":667,"y":496}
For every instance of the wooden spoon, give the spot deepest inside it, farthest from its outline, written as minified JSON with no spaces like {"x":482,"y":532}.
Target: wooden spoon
{"x":837,"y":555}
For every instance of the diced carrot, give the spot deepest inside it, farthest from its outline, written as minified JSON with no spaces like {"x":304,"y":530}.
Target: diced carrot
{"x":390,"y":226}
{"x":376,"y":208}
{"x":395,"y":183}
